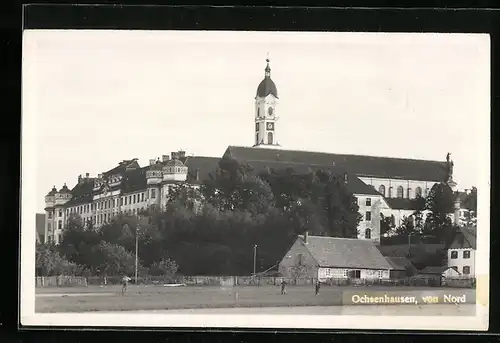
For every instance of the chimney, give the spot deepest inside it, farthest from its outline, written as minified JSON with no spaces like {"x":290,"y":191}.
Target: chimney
{"x":79,"y":178}
{"x":467,"y":191}
{"x":165,"y":158}
{"x":87,"y":175}
{"x":306,"y":237}
{"x":181,"y":154}
{"x":174,"y":156}
{"x":151,"y":161}
{"x":345,"y":178}
{"x":99,"y":176}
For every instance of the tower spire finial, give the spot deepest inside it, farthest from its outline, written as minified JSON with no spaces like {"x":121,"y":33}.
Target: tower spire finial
{"x":268,"y":69}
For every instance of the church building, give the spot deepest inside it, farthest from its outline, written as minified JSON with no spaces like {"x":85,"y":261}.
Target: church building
{"x":383,"y":186}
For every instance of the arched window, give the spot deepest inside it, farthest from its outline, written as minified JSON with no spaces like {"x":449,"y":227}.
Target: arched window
{"x":418,"y":192}
{"x":368,"y":234}
{"x":269,"y":138}
{"x":400,"y":192}
{"x":381,"y":190}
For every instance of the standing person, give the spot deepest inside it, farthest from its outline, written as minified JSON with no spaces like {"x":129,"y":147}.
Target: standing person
{"x":125,"y":281}
{"x":317,"y":287}
{"x":283,"y":287}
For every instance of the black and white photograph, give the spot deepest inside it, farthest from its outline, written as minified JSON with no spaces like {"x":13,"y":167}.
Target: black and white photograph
{"x":239,"y":179}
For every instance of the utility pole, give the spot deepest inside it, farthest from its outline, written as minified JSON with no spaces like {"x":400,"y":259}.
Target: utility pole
{"x":254,"y":258}
{"x":409,"y":243}
{"x":136,"y":250}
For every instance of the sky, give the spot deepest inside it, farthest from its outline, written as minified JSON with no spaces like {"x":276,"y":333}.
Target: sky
{"x":94,"y":98}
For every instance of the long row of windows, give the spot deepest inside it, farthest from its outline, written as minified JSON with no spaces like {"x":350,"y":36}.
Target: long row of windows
{"x":400,"y":192}
{"x":353,"y":274}
{"x":106,"y":217}
{"x":108,"y":204}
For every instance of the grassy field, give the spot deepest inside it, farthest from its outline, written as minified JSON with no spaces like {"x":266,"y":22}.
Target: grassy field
{"x":94,"y":298}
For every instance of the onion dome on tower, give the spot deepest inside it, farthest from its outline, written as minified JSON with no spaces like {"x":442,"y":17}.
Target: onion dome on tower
{"x":52,"y":192}
{"x":64,"y":190}
{"x":50,"y":197}
{"x":267,"y":85}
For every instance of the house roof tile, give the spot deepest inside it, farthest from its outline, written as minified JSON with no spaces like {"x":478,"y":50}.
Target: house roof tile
{"x":399,"y":263}
{"x":402,"y":203}
{"x":369,"y":166}
{"x":205,"y":166}
{"x":465,"y":238}
{"x":345,"y":253}
{"x":435,"y":270}
{"x":354,"y":184}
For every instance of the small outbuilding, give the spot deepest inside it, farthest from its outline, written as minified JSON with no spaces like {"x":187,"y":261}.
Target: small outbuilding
{"x":325,"y":258}
{"x":401,"y":267}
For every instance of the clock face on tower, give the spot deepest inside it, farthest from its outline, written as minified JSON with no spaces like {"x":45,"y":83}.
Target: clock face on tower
{"x":270,"y":126}
{"x":270,"y":110}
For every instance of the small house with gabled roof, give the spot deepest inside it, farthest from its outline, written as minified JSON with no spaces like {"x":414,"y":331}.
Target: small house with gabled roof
{"x":462,"y":251}
{"x":325,"y":258}
{"x":437,"y":271}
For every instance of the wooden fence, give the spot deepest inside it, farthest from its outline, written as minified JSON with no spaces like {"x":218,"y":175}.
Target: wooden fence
{"x":60,"y":281}
{"x":230,"y":281}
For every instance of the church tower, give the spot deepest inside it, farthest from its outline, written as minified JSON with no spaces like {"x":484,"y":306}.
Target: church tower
{"x":265,"y":112}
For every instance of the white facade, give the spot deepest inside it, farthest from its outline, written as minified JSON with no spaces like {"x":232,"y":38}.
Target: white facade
{"x":464,"y":260}
{"x":107,"y":204}
{"x":343,"y":273}
{"x":393,"y":188}
{"x":370,"y":207}
{"x":265,"y":121}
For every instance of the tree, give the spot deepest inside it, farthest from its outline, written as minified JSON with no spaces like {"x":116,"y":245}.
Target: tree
{"x":77,"y":243}
{"x":185,"y":195}
{"x":308,"y":217}
{"x":112,"y":260}
{"x":387,"y":227}
{"x":440,"y":203}
{"x":164,"y":267}
{"x":48,"y":262}
{"x":223,"y":190}
{"x":470,"y":203}
{"x":342,"y":209}
{"x":406,"y":228}
{"x":418,"y":216}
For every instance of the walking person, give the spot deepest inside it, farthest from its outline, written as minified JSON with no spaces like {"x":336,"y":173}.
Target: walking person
{"x":317,"y":286}
{"x":283,"y":287}
{"x":125,"y":280}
